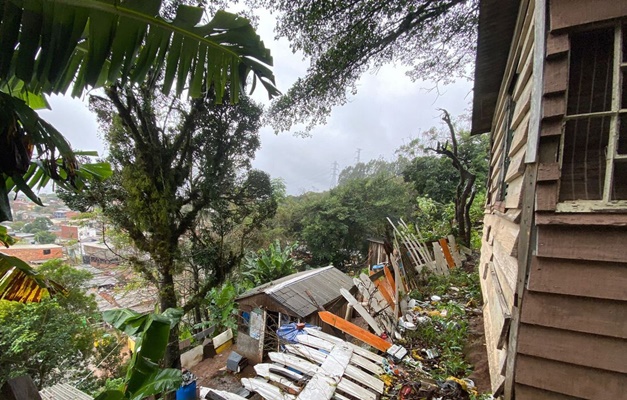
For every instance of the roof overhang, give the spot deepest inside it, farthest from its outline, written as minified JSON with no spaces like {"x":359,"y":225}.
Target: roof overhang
{"x":497,"y":21}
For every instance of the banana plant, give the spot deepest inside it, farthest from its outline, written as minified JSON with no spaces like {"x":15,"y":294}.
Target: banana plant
{"x":144,"y":377}
{"x":69,"y":46}
{"x":19,"y":282}
{"x":60,"y":46}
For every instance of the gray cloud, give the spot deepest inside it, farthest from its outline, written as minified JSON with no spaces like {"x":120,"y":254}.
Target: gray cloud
{"x":388,"y":109}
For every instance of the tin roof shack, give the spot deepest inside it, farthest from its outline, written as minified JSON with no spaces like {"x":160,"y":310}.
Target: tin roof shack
{"x":99,"y":255}
{"x":263,"y":309}
{"x":551,"y":87}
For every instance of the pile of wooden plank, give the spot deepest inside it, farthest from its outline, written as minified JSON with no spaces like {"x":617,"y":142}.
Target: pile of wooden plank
{"x":446,"y":254}
{"x":319,"y":367}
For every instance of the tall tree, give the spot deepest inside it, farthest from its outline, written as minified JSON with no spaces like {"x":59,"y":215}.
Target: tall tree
{"x":435,"y":39}
{"x":468,"y":157}
{"x":172,"y":160}
{"x":61,"y":46}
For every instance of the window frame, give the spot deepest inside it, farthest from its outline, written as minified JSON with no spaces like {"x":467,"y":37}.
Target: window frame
{"x":618,"y":69}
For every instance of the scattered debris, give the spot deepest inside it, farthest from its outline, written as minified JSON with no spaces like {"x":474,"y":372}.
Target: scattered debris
{"x":236,"y":363}
{"x":420,"y":336}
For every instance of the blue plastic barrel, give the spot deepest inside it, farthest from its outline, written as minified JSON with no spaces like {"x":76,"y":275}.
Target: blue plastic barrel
{"x":187,"y":392}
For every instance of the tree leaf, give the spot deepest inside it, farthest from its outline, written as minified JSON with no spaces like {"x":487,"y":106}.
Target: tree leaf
{"x":162,"y":381}
{"x":123,"y":37}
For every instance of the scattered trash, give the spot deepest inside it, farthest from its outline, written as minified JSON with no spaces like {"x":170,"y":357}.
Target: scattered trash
{"x":187,"y":391}
{"x":435,"y":298}
{"x":431,"y":353}
{"x":236,"y":363}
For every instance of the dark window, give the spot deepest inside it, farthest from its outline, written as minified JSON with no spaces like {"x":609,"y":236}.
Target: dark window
{"x":46,"y":251}
{"x":594,"y":150}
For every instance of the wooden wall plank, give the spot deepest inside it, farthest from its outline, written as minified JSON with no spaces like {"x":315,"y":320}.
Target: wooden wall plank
{"x":546,"y":196}
{"x":555,"y":75}
{"x":589,"y":279}
{"x":506,"y":233}
{"x":573,"y":347}
{"x":587,"y":383}
{"x":548,"y":172}
{"x":514,"y":193}
{"x":579,"y":219}
{"x":579,"y":314}
{"x":506,"y":268}
{"x":516,"y":166}
{"x":523,"y":105}
{"x":566,"y":13}
{"x":554,"y":106}
{"x":551,"y":128}
{"x":500,"y":314}
{"x":583,"y":243}
{"x":520,"y":136}
{"x":557,"y":44}
{"x":495,"y":356}
{"x":524,"y":392}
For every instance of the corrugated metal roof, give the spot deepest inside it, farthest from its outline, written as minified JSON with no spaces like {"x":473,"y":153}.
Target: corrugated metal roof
{"x":323,"y":284}
{"x":62,"y":391}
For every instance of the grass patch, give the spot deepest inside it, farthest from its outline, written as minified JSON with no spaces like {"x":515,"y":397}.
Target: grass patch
{"x":446,"y":330}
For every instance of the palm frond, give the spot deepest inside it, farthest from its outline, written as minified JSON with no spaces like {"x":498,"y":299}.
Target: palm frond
{"x":52,"y":46}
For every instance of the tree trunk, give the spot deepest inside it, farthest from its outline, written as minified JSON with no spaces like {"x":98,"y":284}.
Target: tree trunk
{"x":167,"y":299}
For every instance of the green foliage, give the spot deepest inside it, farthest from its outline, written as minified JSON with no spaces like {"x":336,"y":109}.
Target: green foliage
{"x":144,"y":377}
{"x":343,"y":40}
{"x":433,"y":218}
{"x":271,"y":264}
{"x":98,"y":43}
{"x":336,"y":226}
{"x":222,"y":307}
{"x":448,"y":334}
{"x":44,"y":237}
{"x":38,"y":224}
{"x":449,"y":202}
{"x":50,"y":340}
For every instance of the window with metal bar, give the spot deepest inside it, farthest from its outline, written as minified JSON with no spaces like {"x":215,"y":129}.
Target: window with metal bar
{"x":594,"y":142}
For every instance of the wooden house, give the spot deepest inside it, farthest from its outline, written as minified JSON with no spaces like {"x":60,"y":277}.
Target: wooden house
{"x":294,"y":298}
{"x":551,"y":88}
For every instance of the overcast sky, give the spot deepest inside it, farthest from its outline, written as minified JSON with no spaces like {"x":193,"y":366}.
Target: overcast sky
{"x":388,"y":110}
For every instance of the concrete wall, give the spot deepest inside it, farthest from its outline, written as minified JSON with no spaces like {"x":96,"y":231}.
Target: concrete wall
{"x":249,"y":348}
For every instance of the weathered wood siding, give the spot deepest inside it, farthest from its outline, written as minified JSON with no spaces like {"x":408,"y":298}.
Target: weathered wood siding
{"x":573,"y":330}
{"x":499,"y":258}
{"x":572,"y":336}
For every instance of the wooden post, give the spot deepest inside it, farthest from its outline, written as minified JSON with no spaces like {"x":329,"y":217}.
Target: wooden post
{"x":447,"y":253}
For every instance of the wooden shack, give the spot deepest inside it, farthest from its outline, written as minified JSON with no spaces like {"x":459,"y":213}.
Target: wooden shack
{"x":376,"y":252}
{"x":294,"y":298}
{"x":551,"y":88}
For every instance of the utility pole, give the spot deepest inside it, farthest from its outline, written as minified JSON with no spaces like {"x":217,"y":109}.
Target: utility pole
{"x":335,"y":171}
{"x":358,"y":155}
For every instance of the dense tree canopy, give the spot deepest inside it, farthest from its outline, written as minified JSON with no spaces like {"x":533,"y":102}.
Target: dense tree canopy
{"x":435,"y":39}
{"x":52,"y":340}
{"x":180,"y":168}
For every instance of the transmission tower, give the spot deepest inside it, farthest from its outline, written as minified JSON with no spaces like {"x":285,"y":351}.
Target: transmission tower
{"x":358,"y":155}
{"x":335,"y":171}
